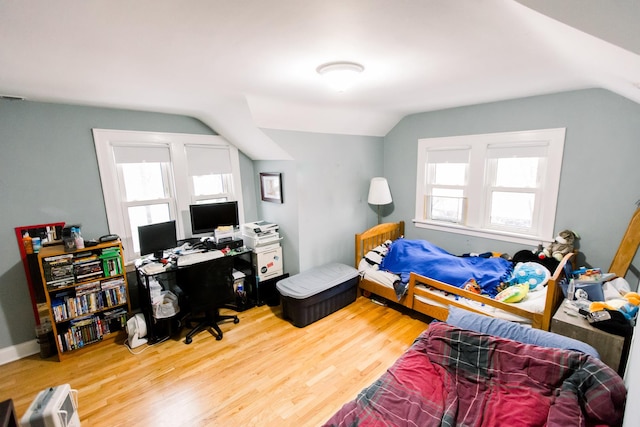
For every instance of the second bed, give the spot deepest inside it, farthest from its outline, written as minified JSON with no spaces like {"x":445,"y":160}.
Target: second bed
{"x":433,"y":297}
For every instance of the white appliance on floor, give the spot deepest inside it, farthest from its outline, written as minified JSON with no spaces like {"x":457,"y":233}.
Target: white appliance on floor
{"x":137,"y":330}
{"x":53,"y":407}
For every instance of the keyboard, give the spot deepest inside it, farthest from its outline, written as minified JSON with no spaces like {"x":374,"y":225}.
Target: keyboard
{"x":191,"y":251}
{"x":197,"y":257}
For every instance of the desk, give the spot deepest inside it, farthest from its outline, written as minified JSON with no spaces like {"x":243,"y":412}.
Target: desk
{"x":169,"y":279}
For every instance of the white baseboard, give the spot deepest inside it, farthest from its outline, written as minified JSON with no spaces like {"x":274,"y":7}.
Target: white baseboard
{"x":10,"y":354}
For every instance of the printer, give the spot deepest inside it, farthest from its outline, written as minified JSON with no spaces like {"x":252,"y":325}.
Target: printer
{"x":259,"y":228}
{"x":261,"y":235}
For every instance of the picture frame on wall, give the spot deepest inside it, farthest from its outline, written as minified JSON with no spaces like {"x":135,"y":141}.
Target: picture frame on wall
{"x":271,"y":187}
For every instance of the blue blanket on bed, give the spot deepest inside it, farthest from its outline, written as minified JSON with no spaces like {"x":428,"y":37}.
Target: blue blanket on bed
{"x":419,"y":256}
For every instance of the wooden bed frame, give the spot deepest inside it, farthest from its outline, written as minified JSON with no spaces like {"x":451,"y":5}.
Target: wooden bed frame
{"x":378,"y":234}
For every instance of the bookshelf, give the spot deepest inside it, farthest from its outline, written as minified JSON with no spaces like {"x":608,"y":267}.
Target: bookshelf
{"x":87,"y":295}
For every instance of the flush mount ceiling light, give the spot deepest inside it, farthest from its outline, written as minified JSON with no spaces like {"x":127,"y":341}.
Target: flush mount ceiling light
{"x":340,"y":75}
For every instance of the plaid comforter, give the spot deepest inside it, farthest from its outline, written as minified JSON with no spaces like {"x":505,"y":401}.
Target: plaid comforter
{"x":455,"y":377}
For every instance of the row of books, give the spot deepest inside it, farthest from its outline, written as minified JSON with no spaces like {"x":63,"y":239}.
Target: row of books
{"x":65,"y":269}
{"x":58,"y":270}
{"x":87,"y":268}
{"x":80,"y":333}
{"x":114,"y":291}
{"x":90,"y":329}
{"x":114,"y":320}
{"x":67,"y":306}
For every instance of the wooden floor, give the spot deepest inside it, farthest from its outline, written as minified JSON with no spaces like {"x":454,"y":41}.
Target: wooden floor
{"x":264,"y":372}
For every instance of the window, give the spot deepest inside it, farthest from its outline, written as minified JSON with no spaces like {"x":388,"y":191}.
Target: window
{"x":210,"y":177}
{"x":502,"y":185}
{"x":150,"y":177}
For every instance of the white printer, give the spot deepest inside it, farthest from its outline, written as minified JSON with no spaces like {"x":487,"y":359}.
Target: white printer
{"x":261,"y":235}
{"x":263,"y":239}
{"x":259,"y":228}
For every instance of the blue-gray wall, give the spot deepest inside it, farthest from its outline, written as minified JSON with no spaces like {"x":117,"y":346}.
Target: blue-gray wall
{"x":49,"y":173}
{"x":600,"y":181}
{"x":325,"y":195}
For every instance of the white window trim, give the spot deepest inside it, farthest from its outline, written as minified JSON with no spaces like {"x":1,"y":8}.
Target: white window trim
{"x":106,"y":139}
{"x":479,"y":144}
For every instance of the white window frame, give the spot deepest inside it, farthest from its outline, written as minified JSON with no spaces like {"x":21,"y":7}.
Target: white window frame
{"x":477,"y":191}
{"x":181,"y":189}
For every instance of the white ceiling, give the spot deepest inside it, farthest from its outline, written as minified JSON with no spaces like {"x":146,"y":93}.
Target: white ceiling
{"x":243,"y":65}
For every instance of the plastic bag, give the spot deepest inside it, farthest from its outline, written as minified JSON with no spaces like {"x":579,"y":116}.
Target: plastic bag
{"x":167,"y":306}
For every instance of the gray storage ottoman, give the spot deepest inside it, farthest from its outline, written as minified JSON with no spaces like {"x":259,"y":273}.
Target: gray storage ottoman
{"x":318,"y":292}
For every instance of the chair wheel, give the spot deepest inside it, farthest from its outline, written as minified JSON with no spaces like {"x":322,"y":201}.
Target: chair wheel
{"x":236,"y":320}
{"x":188,"y":340}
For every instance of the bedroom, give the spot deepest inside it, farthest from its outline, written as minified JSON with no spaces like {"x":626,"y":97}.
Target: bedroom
{"x":596,"y":198}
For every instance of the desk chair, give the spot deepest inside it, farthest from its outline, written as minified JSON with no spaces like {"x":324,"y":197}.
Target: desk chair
{"x":208,"y":286}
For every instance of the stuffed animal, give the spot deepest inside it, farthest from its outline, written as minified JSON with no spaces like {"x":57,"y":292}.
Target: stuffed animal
{"x":627,"y":305}
{"x":561,"y":245}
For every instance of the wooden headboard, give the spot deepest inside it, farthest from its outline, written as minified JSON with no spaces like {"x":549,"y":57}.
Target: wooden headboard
{"x":375,"y":236}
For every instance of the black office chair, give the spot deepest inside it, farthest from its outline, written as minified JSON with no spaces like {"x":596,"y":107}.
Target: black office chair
{"x":208,"y":286}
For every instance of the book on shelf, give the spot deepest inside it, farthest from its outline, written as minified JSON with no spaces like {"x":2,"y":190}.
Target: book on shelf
{"x":66,"y":258}
{"x":60,"y":312}
{"x":84,"y":257}
{"x":53,"y":284}
{"x":58,"y":272}
{"x":88,"y":276}
{"x":115,"y":296}
{"x":88,"y":287}
{"x":88,"y":270}
{"x":114,"y":320}
{"x":113,"y":283}
{"x":111,"y":261}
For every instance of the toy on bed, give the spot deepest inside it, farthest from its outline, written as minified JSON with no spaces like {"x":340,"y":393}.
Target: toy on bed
{"x":526,"y":276}
{"x":561,"y":245}
{"x":495,"y":373}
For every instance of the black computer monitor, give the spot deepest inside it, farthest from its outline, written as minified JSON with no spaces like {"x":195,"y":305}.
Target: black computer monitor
{"x":205,"y":218}
{"x":155,"y":238}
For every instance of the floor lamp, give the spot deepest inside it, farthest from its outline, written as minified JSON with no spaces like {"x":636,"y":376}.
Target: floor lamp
{"x":379,"y":193}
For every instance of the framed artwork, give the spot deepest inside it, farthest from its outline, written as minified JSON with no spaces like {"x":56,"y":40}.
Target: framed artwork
{"x":271,"y":187}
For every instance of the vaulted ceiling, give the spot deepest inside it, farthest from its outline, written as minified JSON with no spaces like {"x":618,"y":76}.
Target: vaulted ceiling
{"x":243,"y":65}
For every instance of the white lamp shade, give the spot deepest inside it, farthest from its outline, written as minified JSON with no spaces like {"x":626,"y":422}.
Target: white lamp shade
{"x":379,"y":193}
